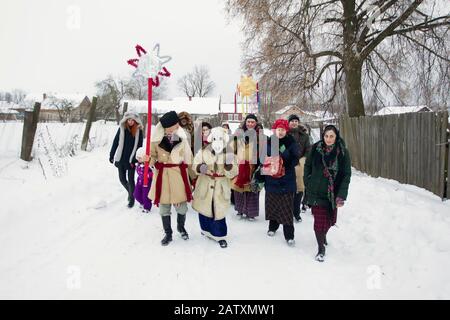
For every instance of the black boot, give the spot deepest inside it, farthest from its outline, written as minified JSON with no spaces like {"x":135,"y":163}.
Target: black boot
{"x":297,"y":201}
{"x":130,"y":201}
{"x":223,"y":243}
{"x":181,"y":219}
{"x":167,"y":229}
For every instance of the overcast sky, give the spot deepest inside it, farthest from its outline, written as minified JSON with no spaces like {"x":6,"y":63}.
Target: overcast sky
{"x":65,"y":46}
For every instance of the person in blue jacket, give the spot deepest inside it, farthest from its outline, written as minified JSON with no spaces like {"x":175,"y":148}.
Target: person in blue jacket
{"x":280,"y":191}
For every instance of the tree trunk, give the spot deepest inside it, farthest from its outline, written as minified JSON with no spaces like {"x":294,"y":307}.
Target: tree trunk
{"x":352,"y":65}
{"x":353,"y":90}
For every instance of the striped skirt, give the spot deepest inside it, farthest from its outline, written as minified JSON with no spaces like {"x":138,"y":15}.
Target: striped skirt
{"x":247,"y":203}
{"x":322,"y":220}
{"x":280,"y":207}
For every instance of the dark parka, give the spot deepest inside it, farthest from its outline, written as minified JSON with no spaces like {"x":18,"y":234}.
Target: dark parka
{"x":128,"y":146}
{"x":317,"y":184}
{"x":290,"y":156}
{"x":302,"y":139}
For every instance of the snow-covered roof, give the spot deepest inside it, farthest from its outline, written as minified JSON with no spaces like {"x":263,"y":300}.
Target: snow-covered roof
{"x":203,"y":106}
{"x":400,"y":109}
{"x":54,"y":97}
{"x":284,"y":110}
{"x":8,"y":107}
{"x":320,"y":115}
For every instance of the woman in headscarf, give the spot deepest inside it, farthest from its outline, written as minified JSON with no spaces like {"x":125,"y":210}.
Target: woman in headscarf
{"x":327,"y":178}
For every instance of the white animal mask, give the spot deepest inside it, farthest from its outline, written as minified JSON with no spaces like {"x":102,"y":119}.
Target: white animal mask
{"x":218,"y":139}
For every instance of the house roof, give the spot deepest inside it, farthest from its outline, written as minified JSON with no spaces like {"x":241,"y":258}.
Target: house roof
{"x":400,"y":109}
{"x":202,"y":106}
{"x":319,"y":115}
{"x":54,"y":97}
{"x":7,"y":107}
{"x":285,"y":109}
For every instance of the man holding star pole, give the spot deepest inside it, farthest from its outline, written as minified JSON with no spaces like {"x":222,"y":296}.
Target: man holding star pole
{"x":171,"y":155}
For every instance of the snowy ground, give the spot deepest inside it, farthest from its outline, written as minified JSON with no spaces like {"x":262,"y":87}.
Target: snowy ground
{"x":72,"y":237}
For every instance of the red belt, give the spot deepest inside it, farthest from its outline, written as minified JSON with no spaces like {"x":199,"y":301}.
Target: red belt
{"x":215,"y":175}
{"x":160,"y":167}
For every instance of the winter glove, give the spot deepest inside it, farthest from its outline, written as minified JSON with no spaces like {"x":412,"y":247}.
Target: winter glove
{"x":339,"y":202}
{"x":202,"y":168}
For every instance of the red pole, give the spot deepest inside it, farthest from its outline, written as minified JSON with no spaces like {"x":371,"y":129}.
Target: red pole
{"x":149,"y":129}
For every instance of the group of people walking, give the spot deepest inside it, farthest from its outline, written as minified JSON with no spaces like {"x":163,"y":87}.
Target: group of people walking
{"x":215,"y":169}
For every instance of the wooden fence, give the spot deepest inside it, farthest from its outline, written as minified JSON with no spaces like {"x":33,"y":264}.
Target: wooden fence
{"x":411,"y":148}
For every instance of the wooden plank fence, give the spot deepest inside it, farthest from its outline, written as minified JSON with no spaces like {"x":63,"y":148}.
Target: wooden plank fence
{"x":412,"y":148}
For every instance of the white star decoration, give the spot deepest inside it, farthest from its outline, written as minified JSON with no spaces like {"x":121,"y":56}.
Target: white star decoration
{"x":150,"y":64}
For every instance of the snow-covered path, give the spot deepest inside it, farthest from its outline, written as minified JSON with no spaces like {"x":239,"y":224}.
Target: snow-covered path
{"x":73,"y":238}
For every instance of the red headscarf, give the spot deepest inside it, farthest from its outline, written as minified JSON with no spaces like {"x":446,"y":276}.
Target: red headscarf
{"x":281,"y":123}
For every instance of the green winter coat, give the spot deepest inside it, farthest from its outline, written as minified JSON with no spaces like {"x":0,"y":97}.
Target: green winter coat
{"x":316,"y":183}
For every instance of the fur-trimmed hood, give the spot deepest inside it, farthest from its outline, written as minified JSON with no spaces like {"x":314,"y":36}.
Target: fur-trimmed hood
{"x":190,"y":124}
{"x":131,"y":115}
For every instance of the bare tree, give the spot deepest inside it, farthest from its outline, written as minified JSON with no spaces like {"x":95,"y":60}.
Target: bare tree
{"x":63,"y":106}
{"x":111,"y":93}
{"x":18,"y":96}
{"x":339,"y":44}
{"x":138,"y":89}
{"x":197,"y":83}
{"x":186,"y":84}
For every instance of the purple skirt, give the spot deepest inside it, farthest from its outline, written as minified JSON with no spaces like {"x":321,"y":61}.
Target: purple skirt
{"x":247,"y":203}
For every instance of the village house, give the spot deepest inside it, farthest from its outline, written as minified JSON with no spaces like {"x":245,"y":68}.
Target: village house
{"x":313,"y":118}
{"x":8,"y":112}
{"x":59,"y":106}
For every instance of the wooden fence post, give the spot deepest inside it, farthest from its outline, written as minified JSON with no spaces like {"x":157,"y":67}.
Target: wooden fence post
{"x":91,"y":116}
{"x":30,"y":121}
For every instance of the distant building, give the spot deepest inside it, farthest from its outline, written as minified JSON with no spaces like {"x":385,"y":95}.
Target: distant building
{"x":310,"y":117}
{"x":59,"y":106}
{"x":401,"y":109}
{"x":198,"y":108}
{"x":8,"y":112}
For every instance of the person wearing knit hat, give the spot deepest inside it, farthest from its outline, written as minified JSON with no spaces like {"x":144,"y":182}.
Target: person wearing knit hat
{"x":246,"y":199}
{"x":128,"y":139}
{"x":293,"y":117}
{"x":280,"y":190}
{"x":251,"y":116}
{"x":301,"y":136}
{"x":171,"y":158}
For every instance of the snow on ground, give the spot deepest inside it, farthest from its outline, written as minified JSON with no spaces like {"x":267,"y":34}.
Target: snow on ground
{"x":73,"y":237}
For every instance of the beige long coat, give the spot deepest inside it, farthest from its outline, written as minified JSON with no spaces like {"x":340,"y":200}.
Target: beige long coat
{"x":172,"y":190}
{"x":208,"y":189}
